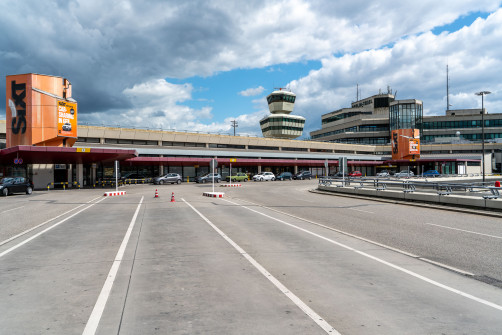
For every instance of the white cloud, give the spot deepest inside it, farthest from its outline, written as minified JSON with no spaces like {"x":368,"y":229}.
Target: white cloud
{"x":416,"y":67}
{"x":252,"y":91}
{"x":112,"y":51}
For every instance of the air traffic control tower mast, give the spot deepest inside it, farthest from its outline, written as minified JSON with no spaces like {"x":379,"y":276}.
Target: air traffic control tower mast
{"x":280,"y":124}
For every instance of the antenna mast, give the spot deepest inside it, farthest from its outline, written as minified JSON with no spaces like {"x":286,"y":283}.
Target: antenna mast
{"x":447,"y":89}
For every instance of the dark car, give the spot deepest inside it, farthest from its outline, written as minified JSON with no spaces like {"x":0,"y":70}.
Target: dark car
{"x":339,"y":174}
{"x":303,"y":175}
{"x":284,"y":175}
{"x":168,"y":178}
{"x":208,"y":178}
{"x":9,"y":185}
{"x":431,"y":173}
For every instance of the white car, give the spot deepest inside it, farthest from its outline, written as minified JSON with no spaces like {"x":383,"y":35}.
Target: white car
{"x":264,"y":176}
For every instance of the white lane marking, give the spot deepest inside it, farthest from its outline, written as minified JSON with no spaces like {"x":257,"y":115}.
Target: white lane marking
{"x":45,"y":222}
{"x":411,"y":273}
{"x":11,"y":209}
{"x":45,"y":230}
{"x":462,"y":230}
{"x":337,"y":230}
{"x":297,"y":301}
{"x":97,"y":311}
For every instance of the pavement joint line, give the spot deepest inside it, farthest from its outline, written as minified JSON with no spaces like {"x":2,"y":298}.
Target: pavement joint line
{"x":447,"y":267}
{"x":295,"y":299}
{"x":93,"y":321}
{"x":45,"y":222}
{"x":380,"y":260}
{"x":443,"y":207}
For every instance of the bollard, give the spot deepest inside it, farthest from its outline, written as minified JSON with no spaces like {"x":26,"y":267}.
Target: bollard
{"x":188,"y":180}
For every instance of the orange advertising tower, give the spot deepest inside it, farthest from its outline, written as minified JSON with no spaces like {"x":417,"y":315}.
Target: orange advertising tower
{"x":40,"y":111}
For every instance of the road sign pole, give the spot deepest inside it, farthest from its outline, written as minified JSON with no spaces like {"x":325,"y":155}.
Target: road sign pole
{"x":230,"y":173}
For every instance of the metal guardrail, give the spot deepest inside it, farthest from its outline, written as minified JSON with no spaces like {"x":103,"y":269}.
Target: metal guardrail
{"x":408,"y":186}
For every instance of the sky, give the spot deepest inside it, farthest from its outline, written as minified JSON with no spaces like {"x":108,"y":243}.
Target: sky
{"x":198,"y":65}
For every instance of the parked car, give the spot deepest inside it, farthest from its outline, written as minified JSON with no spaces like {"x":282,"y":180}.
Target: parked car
{"x":285,"y":175}
{"x":355,"y":174}
{"x":239,"y":176}
{"x":168,"y":178}
{"x":383,"y":173}
{"x":404,"y":173}
{"x":339,"y":174}
{"x":208,"y":178}
{"x":9,"y":185}
{"x":264,"y":176}
{"x":303,"y":175}
{"x":431,"y":173}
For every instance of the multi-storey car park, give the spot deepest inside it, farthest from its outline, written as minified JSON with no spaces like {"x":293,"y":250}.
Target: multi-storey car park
{"x":362,"y":135}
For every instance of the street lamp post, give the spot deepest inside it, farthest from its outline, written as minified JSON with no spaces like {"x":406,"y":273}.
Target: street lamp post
{"x":482,"y":94}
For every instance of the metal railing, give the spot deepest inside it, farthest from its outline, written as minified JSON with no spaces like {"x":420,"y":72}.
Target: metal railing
{"x":408,"y":186}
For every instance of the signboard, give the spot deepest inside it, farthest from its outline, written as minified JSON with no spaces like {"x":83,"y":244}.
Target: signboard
{"x":233,"y":160}
{"x":83,"y":149}
{"x":405,"y":144}
{"x":67,"y":118}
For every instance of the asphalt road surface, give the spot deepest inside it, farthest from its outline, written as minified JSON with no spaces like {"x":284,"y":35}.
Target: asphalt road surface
{"x":268,"y":258}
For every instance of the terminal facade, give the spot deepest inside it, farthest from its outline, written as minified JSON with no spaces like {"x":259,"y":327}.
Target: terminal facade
{"x":155,"y":152}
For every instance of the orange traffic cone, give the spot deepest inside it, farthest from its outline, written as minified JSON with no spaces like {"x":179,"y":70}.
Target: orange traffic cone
{"x":156,"y":194}
{"x":172,"y":198}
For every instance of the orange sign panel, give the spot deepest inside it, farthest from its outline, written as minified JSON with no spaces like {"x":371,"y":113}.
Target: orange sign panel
{"x":405,"y":144}
{"x":67,"y":119}
{"x":33,"y":104}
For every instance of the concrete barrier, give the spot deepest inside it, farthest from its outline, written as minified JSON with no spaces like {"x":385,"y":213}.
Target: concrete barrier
{"x":475,"y":201}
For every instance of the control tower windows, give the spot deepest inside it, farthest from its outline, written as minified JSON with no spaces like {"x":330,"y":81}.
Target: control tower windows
{"x":281,"y":97}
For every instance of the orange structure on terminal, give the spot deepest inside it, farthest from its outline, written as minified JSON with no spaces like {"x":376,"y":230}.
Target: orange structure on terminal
{"x":405,"y":144}
{"x":40,"y":111}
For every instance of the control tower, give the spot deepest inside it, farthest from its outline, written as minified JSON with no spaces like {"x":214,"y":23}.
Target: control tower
{"x":280,"y":124}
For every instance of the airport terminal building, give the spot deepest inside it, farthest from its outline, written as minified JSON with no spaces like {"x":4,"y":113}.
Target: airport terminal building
{"x":86,"y":154}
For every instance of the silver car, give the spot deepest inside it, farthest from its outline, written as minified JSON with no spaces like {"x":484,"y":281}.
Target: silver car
{"x":172,"y":178}
{"x":404,"y":173}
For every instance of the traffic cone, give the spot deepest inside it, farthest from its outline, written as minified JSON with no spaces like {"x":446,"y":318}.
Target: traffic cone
{"x":156,"y":194}
{"x":172,"y":198}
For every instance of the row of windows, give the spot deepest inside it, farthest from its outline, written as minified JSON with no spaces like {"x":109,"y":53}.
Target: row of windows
{"x":362,"y":129}
{"x":230,"y":146}
{"x":281,"y":120}
{"x":343,"y":116}
{"x":127,"y":141}
{"x":282,"y":128}
{"x":183,"y":144}
{"x":363,"y":140}
{"x":406,"y":116}
{"x":461,"y":124}
{"x":294,"y":149}
{"x":430,"y":138}
{"x":281,"y":97}
{"x":88,"y":139}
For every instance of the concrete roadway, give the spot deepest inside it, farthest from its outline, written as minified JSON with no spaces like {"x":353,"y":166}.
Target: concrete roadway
{"x":269,"y":258}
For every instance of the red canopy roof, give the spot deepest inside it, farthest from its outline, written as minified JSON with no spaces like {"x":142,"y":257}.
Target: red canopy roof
{"x":62,"y":155}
